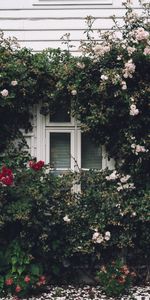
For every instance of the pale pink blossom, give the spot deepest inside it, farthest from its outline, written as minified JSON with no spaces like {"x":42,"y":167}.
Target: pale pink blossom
{"x":138,"y":149}
{"x":4,"y":93}
{"x":97,"y":238}
{"x":123,"y":85}
{"x":107,"y":236}
{"x":147,"y":51}
{"x":112,"y":176}
{"x":80,"y":65}
{"x":74,"y":92}
{"x":141,"y":34}
{"x":133,"y":110}
{"x":104,"y":77}
{"x":101,"y":49}
{"x":119,"y":57}
{"x":126,"y":186}
{"x":129,"y":69}
{"x":14,"y":82}
{"x":131,"y":50}
{"x":66,"y":219}
{"x":124,"y":178}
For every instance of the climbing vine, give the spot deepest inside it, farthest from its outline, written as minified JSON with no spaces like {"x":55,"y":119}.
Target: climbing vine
{"x":106,"y":88}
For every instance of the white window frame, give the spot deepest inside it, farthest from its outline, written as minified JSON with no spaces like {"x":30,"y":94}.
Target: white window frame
{"x":72,"y":154}
{"x":45,"y":127}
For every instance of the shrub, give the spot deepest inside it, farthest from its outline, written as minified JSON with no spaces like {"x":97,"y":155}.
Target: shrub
{"x":20,"y":274}
{"x":116,"y":278}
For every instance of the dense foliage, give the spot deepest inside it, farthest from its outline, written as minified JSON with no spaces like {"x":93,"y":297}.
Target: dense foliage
{"x":107,"y":89}
{"x":62,"y":229}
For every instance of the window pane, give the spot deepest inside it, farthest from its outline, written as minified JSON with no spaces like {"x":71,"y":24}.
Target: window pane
{"x":91,"y":154}
{"x":60,"y":150}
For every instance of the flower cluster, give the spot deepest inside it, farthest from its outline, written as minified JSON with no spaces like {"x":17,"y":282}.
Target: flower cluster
{"x":36,"y":166}
{"x":6,"y":176}
{"x":115,"y":278}
{"x":138,"y":149}
{"x":141,"y":34}
{"x":98,"y":238}
{"x":100,"y":50}
{"x":129,"y":69}
{"x":18,"y":287}
{"x":113,"y":176}
{"x":122,"y":183}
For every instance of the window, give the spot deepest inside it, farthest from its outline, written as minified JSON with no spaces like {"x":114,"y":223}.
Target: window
{"x":67,"y":148}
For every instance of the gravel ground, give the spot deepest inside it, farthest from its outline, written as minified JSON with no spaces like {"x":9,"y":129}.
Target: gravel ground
{"x":85,"y":293}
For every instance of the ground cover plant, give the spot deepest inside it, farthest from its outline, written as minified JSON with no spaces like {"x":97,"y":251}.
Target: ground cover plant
{"x":46,"y":229}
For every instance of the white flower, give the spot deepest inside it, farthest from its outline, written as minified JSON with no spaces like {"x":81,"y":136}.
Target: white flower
{"x":4,"y":93}
{"x":126,"y":186}
{"x":66,"y":219}
{"x":120,"y":187}
{"x":74,"y":92}
{"x":104,"y":77}
{"x":133,"y":110}
{"x":95,"y":235}
{"x":97,"y":238}
{"x":14,"y":82}
{"x":125,"y":178}
{"x":80,"y":65}
{"x":124,"y":85}
{"x":119,"y":57}
{"x":107,"y":236}
{"x":134,"y":214}
{"x":112,"y":176}
{"x":41,"y":179}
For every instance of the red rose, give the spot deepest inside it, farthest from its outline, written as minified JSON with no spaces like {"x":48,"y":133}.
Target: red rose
{"x":7,"y":180}
{"x":36,"y":166}
{"x":27,"y":279}
{"x":42,"y":280}
{"x":9,"y":281}
{"x":6,"y":176}
{"x":18,"y":288}
{"x":6,"y":171}
{"x":121,"y":279}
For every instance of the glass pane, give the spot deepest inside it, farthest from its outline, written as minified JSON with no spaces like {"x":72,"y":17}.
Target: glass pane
{"x":91,"y":154}
{"x":61,"y":116}
{"x":60,"y":150}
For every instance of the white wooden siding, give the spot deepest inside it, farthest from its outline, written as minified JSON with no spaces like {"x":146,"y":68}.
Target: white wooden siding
{"x":39,"y":24}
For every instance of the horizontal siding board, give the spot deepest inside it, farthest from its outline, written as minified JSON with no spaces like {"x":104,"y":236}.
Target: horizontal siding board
{"x":14,"y":4}
{"x":48,"y":13}
{"x":100,"y":2}
{"x":53,"y":24}
{"x":51,"y":44}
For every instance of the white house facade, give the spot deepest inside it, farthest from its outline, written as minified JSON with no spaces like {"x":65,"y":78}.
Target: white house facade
{"x":40,"y":24}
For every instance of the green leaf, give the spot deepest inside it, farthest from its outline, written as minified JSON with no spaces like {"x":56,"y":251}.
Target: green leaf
{"x":35,"y":270}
